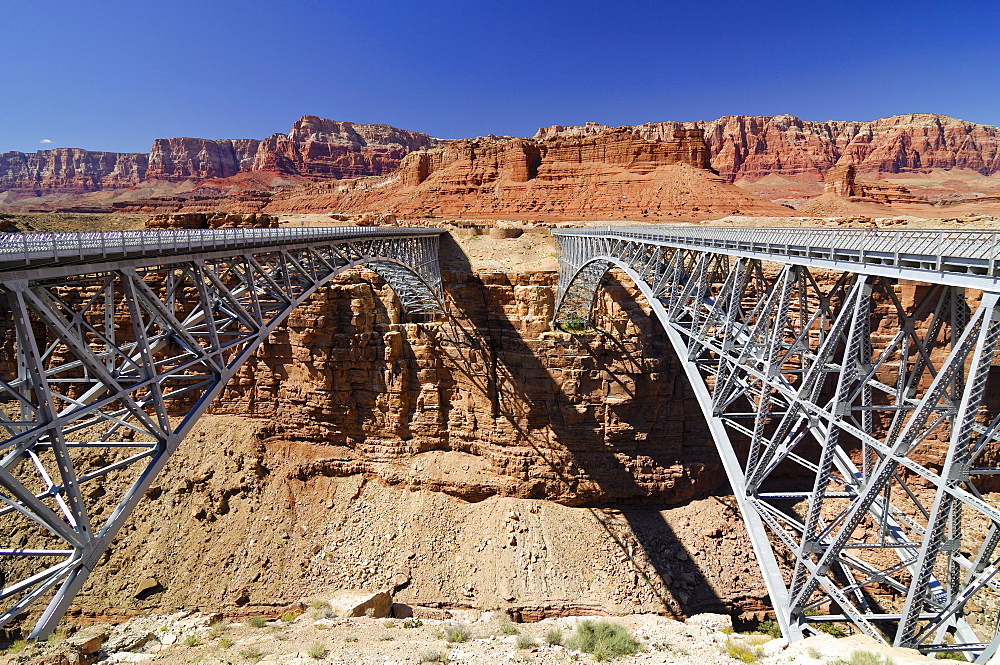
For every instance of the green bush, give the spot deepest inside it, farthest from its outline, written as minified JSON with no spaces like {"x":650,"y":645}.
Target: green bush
{"x":317,"y":650}
{"x":769,"y":627}
{"x":412,"y":623}
{"x":457,"y":632}
{"x":251,"y":653}
{"x":257,"y":622}
{"x":433,"y":656}
{"x":553,"y":636}
{"x":288,"y":617}
{"x":191,"y":641}
{"x":741,"y":651}
{"x":603,"y":639}
{"x":525,"y":642}
{"x":861,"y":657}
{"x":225,"y":642}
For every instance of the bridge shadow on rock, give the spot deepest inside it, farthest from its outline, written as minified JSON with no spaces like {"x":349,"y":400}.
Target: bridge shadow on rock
{"x":610,"y":414}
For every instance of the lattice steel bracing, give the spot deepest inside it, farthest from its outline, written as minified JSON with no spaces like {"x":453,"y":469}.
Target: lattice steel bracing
{"x":855,"y":412}
{"x":114,"y":344}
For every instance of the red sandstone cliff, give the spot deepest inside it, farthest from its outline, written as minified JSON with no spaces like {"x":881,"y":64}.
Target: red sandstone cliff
{"x":323,"y":149}
{"x":315,"y":148}
{"x":613,"y":174}
{"x":198,"y":159}
{"x":69,"y":170}
{"x":752,"y":147}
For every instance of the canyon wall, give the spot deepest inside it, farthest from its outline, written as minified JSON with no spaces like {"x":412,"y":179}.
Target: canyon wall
{"x":314,"y":148}
{"x":69,"y":170}
{"x":753,"y":147}
{"x":482,"y":462}
{"x":183,"y":159}
{"x":740,"y":148}
{"x":612,"y":174}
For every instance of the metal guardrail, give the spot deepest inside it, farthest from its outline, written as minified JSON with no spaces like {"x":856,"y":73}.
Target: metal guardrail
{"x":21,"y":250}
{"x":969,"y":252}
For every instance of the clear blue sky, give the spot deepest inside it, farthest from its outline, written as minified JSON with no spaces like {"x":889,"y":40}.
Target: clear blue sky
{"x":114,"y":75}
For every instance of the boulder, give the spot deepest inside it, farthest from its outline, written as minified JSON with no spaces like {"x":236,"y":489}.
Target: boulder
{"x":713,"y":622}
{"x":88,"y":641}
{"x":360,"y":603}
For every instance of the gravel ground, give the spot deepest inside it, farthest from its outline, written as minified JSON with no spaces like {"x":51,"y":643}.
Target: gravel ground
{"x":311,"y":639}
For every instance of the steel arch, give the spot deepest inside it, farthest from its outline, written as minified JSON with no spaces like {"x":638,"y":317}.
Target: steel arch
{"x":830,"y":430}
{"x":116,"y":354}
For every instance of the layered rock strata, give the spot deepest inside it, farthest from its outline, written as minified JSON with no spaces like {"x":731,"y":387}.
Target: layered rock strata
{"x":183,"y":159}
{"x":315,"y":148}
{"x":482,"y":462}
{"x":843,"y":181}
{"x":216,"y":220}
{"x":753,"y":147}
{"x":611,"y":174}
{"x":69,"y":170}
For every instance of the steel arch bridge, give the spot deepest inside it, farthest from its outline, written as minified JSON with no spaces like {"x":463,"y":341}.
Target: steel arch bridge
{"x":849,"y":379}
{"x":115,"y":343}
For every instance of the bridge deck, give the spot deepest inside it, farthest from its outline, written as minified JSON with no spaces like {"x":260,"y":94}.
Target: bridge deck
{"x":958,"y":258}
{"x":20,"y":251}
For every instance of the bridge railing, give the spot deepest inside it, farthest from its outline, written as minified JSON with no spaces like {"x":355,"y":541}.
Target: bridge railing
{"x":971,"y":252}
{"x":19,"y":250}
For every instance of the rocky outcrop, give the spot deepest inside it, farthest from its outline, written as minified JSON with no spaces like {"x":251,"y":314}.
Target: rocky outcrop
{"x":315,"y":148}
{"x":324,"y":149}
{"x":842,"y":180}
{"x":215,"y":220}
{"x":199,"y":159}
{"x":612,"y":174}
{"x":69,"y":170}
{"x":485,"y":462}
{"x":752,"y":147}
{"x":495,"y":404}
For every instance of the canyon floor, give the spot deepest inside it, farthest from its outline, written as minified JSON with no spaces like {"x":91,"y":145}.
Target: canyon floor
{"x":477,"y":638}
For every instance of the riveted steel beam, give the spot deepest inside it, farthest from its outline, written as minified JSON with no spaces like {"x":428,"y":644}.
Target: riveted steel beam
{"x":118,"y":343}
{"x":849,"y":409}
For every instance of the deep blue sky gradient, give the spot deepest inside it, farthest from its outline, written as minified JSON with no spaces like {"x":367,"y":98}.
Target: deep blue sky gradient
{"x":114,"y":75}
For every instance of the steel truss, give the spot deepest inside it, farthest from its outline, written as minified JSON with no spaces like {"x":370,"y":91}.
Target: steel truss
{"x":109,"y":363}
{"x":852,"y":414}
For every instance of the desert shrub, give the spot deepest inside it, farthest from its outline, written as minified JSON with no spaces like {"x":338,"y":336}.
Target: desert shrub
{"x":861,"y":657}
{"x":433,"y":656}
{"x":218,"y":630}
{"x":317,"y":650}
{"x":575,"y":324}
{"x":288,"y":617}
{"x":388,"y":623}
{"x":226,"y":642}
{"x":951,"y":655}
{"x":257,"y":622}
{"x":191,"y":641}
{"x":457,"y":632}
{"x":741,"y":651}
{"x":525,"y":642}
{"x":553,"y":636}
{"x":251,"y":653}
{"x":319,"y":604}
{"x":772,"y":628}
{"x":412,"y":623}
{"x":603,"y":639}
{"x":507,"y":627}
